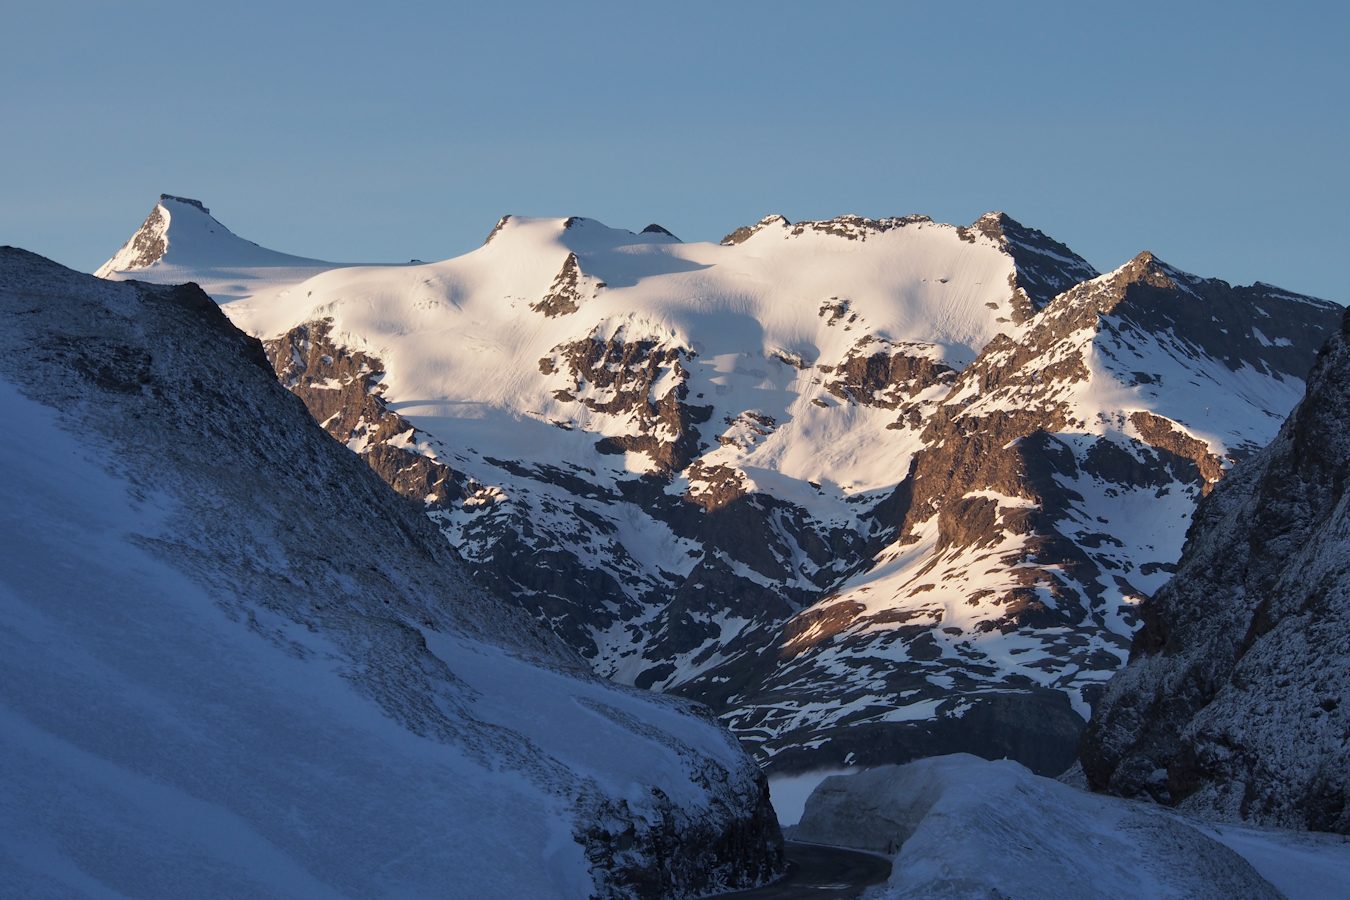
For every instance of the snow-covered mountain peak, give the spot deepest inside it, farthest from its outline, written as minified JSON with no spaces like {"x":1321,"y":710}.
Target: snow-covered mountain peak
{"x":530,"y":234}
{"x":1046,"y":267}
{"x":181,"y":241}
{"x":886,"y":445}
{"x":745,"y":232}
{"x":181,"y":231}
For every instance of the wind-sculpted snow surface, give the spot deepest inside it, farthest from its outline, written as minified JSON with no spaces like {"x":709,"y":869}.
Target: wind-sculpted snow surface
{"x":1235,"y":699}
{"x":872,"y":489}
{"x":235,"y":663}
{"x":961,"y":827}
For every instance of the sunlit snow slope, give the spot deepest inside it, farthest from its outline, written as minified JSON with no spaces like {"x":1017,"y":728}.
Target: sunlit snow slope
{"x":181,"y":241}
{"x":235,"y":663}
{"x":871,"y":488}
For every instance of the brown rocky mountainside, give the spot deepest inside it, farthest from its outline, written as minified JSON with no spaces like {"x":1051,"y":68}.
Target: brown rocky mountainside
{"x":1023,"y":541}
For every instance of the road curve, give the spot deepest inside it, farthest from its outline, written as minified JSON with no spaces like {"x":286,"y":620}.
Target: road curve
{"x":819,"y":871}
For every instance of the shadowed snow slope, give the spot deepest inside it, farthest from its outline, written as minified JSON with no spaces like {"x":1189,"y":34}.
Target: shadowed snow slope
{"x":962,"y":827}
{"x":872,"y":489}
{"x":235,"y":663}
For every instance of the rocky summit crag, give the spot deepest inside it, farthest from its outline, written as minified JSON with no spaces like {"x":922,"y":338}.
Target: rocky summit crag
{"x":1234,"y":702}
{"x":871,"y":489}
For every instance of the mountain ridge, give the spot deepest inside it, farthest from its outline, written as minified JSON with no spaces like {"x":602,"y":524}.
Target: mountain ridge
{"x":727,"y":470}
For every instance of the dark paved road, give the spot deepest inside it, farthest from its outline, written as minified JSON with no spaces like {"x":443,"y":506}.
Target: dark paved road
{"x":818,"y":871}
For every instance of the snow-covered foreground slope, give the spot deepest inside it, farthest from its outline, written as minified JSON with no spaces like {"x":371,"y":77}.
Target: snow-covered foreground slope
{"x":872,"y":489}
{"x":958,"y":826}
{"x":234,"y":663}
{"x":1236,"y":701}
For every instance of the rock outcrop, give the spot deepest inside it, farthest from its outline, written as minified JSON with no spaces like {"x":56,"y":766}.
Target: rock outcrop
{"x":342,"y":389}
{"x":1234,"y":702}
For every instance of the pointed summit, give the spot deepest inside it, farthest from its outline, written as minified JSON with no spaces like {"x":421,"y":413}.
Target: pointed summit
{"x":180,"y":232}
{"x":150,"y":242}
{"x":654,"y":229}
{"x":1146,"y":268}
{"x":1045,"y":267}
{"x":746,"y":231}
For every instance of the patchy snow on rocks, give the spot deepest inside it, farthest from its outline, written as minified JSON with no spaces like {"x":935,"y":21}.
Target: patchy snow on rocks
{"x":871,"y":489}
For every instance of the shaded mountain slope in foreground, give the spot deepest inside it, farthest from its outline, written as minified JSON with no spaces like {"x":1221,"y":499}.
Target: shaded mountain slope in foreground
{"x":236,"y":663}
{"x":1236,"y":700}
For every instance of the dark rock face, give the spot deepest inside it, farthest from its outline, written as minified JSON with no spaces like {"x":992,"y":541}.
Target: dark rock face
{"x":342,"y":390}
{"x":627,"y":375}
{"x":1045,"y":267}
{"x":188,"y":200}
{"x":1162,"y":435}
{"x":570,"y":288}
{"x":1234,"y":700}
{"x":149,"y":243}
{"x":644,"y":858}
{"x":886,"y":375}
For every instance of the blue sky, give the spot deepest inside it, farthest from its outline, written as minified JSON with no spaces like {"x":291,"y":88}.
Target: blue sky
{"x":1214,"y":134}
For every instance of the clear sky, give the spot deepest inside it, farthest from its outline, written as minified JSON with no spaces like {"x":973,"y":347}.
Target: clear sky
{"x":1214,"y":134}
